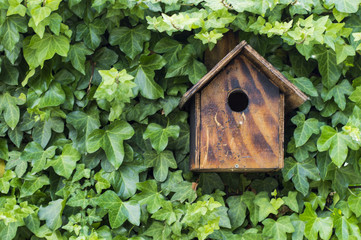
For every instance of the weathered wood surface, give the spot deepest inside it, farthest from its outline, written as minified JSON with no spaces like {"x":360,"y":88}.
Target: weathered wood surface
{"x":240,"y":141}
{"x":229,"y":41}
{"x":195,"y":129}
{"x":293,"y":96}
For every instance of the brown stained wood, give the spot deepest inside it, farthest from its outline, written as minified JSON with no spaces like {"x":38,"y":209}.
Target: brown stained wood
{"x":222,"y":48}
{"x":216,"y":69}
{"x":195,"y":129}
{"x":294,"y":97}
{"x":281,"y":130}
{"x":240,"y":141}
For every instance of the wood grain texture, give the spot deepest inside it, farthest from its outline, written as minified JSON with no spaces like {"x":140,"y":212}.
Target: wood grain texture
{"x":293,"y":96}
{"x":281,"y":130}
{"x":222,"y":48}
{"x":195,"y":129}
{"x":240,"y":141}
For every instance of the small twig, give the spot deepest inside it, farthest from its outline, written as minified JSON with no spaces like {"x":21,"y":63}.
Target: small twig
{"x":91,"y":77}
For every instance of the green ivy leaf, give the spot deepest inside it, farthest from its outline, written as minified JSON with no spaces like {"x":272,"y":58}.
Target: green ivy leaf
{"x":354,"y":202}
{"x":9,"y":31}
{"x":149,"y":195}
{"x":54,"y":96}
{"x":65,"y":164}
{"x":32,"y":184}
{"x":305,"y":128}
{"x":91,"y":33}
{"x":299,"y":172}
{"x":77,"y":53}
{"x":345,"y":227}
{"x":52,"y":214}
{"x":328,"y":67}
{"x":159,"y":136}
{"x":338,"y":93}
{"x":9,"y":108}
{"x":278,"y":229}
{"x":237,"y":211}
{"x":37,"y":50}
{"x":161,"y":162}
{"x":118,"y":210}
{"x":315,"y":225}
{"x":111,"y":141}
{"x":130,"y":41}
{"x":345,"y":6}
{"x":337,"y":143}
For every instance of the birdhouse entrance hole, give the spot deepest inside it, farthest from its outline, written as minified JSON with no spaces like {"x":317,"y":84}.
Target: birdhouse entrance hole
{"x":237,"y":100}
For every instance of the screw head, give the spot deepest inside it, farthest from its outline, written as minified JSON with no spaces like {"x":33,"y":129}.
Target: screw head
{"x":236,"y":166}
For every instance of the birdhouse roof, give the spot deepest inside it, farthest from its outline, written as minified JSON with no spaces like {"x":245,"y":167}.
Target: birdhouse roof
{"x":294,"y":97}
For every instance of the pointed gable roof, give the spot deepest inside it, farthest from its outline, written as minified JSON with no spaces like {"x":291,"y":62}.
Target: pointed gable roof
{"x":294,"y":96}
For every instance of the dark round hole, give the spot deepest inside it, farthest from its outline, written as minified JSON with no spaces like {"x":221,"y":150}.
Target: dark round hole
{"x":238,"y":100}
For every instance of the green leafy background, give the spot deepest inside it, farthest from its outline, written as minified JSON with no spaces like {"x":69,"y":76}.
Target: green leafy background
{"x":94,"y":146}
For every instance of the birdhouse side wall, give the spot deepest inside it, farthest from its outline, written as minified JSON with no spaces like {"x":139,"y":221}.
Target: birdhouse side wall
{"x":250,"y":140}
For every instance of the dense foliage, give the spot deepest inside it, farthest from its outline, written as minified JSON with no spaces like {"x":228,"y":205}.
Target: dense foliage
{"x":94,"y":146}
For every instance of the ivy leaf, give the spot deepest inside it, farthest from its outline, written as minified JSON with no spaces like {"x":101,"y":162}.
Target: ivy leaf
{"x":9,"y":31}
{"x":356,"y":96}
{"x":77,"y":55}
{"x":171,"y":48}
{"x":299,"y":172}
{"x":91,"y":33}
{"x":278,"y":229}
{"x":144,"y":76}
{"x":338,"y":93}
{"x":161,"y":162}
{"x":327,"y":66}
{"x":354,"y":202}
{"x":111,"y":141}
{"x":159,"y":231}
{"x":65,"y":164}
{"x":159,"y":136}
{"x":305,"y":128}
{"x":291,"y":201}
{"x":130,"y":41}
{"x":118,"y":210}
{"x":39,"y":13}
{"x":83,"y":123}
{"x":8,"y":231}
{"x":237,"y":211}
{"x":125,"y":183}
{"x":265,"y":207}
{"x":345,"y":227}
{"x":343,"y":51}
{"x":79,"y":200}
{"x":209,"y":182}
{"x":337,"y":143}
{"x":37,"y":50}
{"x":305,"y":85}
{"x":9,"y":73}
{"x":345,"y":6}
{"x":32,"y":184}
{"x":167,"y":213}
{"x":149,"y":195}
{"x":52,"y":214}
{"x":54,"y":96}
{"x":316,"y":225}
{"x":9,"y":108}
{"x":42,"y":130}
{"x":184,"y":191}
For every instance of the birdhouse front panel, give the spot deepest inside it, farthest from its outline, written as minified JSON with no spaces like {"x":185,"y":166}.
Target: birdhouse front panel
{"x":237,"y":114}
{"x":240,"y":121}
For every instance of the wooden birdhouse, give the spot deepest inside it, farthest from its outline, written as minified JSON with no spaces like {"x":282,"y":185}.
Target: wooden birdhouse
{"x":237,"y":114}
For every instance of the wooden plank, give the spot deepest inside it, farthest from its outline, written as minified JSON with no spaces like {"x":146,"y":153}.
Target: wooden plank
{"x":195,"y":132}
{"x":281,"y":130}
{"x":208,"y":77}
{"x":294,"y":97}
{"x":240,"y":141}
{"x":222,"y":48}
